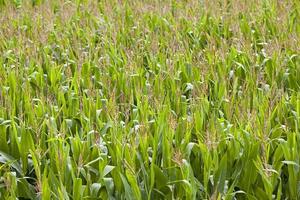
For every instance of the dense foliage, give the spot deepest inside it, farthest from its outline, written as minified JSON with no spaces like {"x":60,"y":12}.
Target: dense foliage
{"x":174,"y":99}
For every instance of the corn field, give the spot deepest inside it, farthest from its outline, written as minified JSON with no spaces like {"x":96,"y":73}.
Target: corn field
{"x":150,"y":99}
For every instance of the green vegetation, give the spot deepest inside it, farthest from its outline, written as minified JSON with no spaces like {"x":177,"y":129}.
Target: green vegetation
{"x":174,"y":99}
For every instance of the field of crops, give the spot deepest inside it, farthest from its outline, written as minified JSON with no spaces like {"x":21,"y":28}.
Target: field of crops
{"x":150,"y":99}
